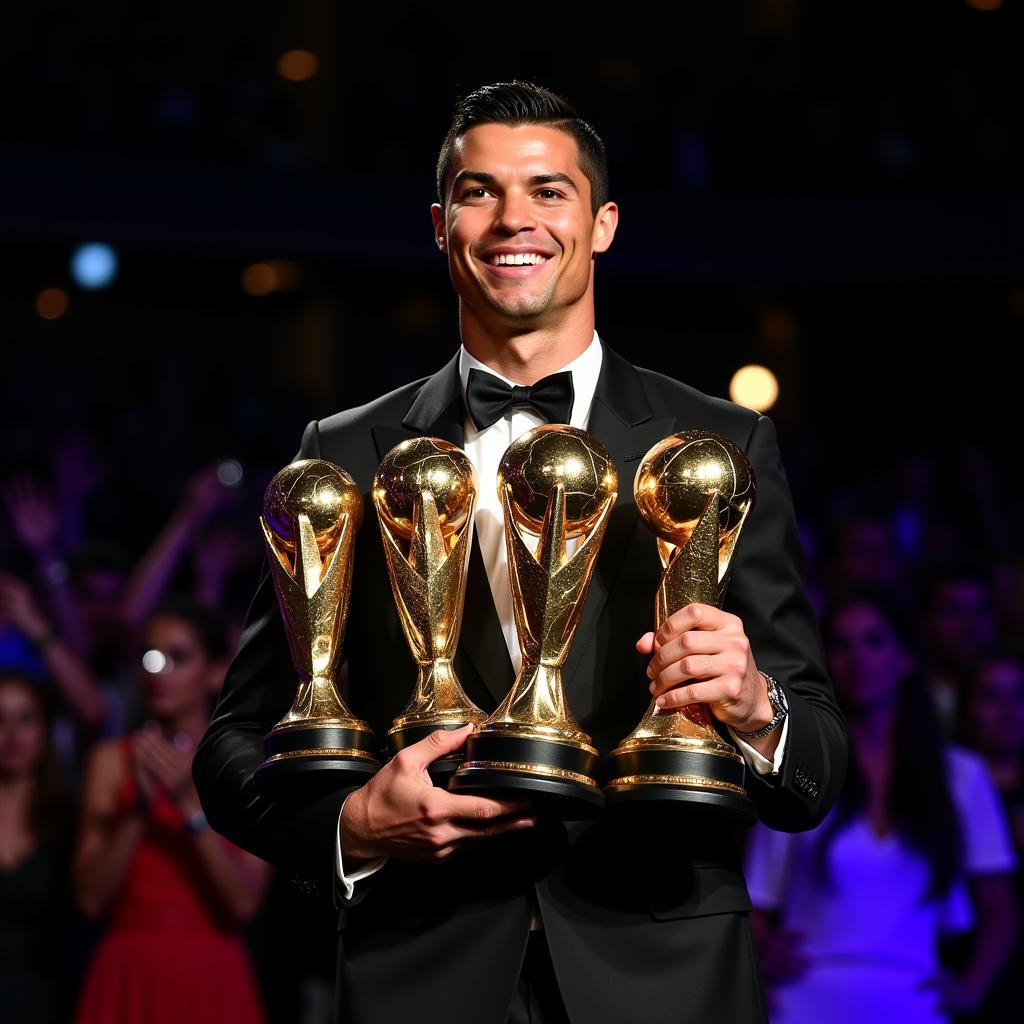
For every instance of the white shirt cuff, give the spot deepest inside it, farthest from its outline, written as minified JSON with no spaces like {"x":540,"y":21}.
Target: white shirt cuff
{"x":756,"y":759}
{"x":348,"y":882}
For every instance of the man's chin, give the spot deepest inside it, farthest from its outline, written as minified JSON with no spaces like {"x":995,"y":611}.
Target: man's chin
{"x":521,"y":308}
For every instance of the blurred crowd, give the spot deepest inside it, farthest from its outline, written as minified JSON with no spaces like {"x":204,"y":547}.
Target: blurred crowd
{"x":112,"y":882}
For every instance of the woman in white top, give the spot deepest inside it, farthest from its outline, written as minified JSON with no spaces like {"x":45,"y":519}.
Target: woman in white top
{"x":849,"y":916}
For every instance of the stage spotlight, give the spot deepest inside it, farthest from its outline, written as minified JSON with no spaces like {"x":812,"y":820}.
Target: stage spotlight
{"x":93,"y":265}
{"x":755,"y":387}
{"x":52,"y":303}
{"x":297,"y":65}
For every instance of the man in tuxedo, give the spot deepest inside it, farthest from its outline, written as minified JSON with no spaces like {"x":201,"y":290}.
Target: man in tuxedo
{"x":464,"y":908}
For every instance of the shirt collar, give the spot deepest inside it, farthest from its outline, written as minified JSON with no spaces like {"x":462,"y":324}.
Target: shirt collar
{"x":585,"y":369}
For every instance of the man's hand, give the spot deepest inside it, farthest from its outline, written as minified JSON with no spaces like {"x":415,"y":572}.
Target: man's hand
{"x":706,"y":649}
{"x":401,"y":813}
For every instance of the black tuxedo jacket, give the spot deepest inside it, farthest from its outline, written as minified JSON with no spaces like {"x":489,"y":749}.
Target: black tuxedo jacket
{"x":646,"y":917}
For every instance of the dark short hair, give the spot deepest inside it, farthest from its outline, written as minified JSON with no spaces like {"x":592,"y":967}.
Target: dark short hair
{"x":516,"y":103}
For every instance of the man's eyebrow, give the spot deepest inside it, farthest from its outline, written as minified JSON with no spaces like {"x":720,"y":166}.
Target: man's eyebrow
{"x":467,"y":175}
{"x":555,"y":177}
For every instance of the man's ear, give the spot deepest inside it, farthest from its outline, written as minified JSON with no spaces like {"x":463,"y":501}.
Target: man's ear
{"x":605,"y":223}
{"x":437,"y":216}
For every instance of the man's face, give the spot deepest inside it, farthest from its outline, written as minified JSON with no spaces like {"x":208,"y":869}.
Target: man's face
{"x":518,"y":228}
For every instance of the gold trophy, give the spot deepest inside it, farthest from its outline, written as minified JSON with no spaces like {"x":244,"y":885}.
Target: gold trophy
{"x":311,"y":511}
{"x":694,"y":490}
{"x":557,"y":483}
{"x":425,"y":494}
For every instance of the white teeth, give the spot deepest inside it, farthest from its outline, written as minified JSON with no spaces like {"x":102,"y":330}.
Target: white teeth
{"x":517,"y":259}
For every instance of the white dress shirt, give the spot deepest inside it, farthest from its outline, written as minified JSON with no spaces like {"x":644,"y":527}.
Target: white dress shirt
{"x":485,"y":449}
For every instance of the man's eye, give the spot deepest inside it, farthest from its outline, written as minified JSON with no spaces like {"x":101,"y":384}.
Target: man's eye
{"x":474,"y":193}
{"x":548,"y":193}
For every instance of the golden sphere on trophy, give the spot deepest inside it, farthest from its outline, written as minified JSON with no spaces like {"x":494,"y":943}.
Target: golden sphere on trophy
{"x":679,"y":474}
{"x":317,"y":489}
{"x":311,"y":512}
{"x":553,"y":454}
{"x":424,"y":464}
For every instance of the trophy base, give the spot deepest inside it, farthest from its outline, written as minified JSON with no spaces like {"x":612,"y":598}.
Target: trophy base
{"x":331,"y":751}
{"x":558,"y":776}
{"x":704,"y":781}
{"x":441,"y":770}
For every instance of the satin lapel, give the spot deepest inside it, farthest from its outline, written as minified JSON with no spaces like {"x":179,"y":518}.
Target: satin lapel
{"x":437,"y":411}
{"x":621,"y":419}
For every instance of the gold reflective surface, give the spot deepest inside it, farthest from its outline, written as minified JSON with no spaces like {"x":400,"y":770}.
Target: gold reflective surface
{"x":694,"y":490}
{"x":311,"y":511}
{"x":556,"y":482}
{"x":425,"y":493}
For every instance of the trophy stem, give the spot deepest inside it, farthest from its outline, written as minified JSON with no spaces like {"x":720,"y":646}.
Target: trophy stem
{"x":532,"y":742}
{"x":438,"y":702}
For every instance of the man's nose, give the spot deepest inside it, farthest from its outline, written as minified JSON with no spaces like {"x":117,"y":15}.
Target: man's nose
{"x":514,"y":213}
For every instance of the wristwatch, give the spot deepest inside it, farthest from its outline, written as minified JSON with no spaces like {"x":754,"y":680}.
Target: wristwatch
{"x":780,"y":708}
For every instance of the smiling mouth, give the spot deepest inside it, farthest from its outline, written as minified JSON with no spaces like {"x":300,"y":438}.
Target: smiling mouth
{"x":518,"y":259}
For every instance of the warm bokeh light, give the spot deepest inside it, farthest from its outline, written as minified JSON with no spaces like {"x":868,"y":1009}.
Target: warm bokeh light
{"x":985,"y":5}
{"x":297,"y":65}
{"x":1016,"y":301}
{"x":271,"y":276}
{"x":52,"y":303}
{"x":755,"y":387}
{"x":259,"y":279}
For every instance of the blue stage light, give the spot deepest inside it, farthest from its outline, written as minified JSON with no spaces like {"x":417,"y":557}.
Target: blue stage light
{"x":94,"y":265}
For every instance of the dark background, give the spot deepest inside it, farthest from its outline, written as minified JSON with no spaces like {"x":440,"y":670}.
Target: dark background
{"x":827,"y":189}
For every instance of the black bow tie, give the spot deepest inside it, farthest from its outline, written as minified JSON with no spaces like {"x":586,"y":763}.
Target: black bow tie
{"x":489,"y":397}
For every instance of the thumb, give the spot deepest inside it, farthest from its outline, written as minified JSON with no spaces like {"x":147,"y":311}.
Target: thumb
{"x":439,"y":743}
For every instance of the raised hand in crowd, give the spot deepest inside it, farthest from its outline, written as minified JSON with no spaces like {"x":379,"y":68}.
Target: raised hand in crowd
{"x":72,"y":679}
{"x":204,"y":495}
{"x":35,"y":518}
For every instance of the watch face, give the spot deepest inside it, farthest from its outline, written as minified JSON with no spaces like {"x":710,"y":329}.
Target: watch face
{"x":777,"y":696}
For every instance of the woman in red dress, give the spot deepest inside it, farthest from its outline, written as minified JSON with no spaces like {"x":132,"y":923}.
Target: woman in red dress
{"x":175,"y":893}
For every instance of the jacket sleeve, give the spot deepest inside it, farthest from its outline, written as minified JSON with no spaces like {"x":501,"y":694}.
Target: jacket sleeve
{"x":296,"y":831}
{"x":767,"y":592}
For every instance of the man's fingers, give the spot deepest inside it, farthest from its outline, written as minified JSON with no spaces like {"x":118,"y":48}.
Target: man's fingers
{"x":439,"y":743}
{"x":485,"y":808}
{"x":646,"y":644}
{"x":472,"y":830}
{"x":713,"y":692}
{"x":695,"y":667}
{"x":687,"y":645}
{"x":691,"y":616}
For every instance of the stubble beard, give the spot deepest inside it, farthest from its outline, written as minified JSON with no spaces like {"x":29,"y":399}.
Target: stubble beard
{"x":523,"y":307}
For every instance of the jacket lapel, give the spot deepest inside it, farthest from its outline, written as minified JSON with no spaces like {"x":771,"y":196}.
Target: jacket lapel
{"x":622,"y":419}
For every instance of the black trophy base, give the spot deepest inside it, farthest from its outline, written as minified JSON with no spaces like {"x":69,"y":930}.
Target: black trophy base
{"x":703,"y":782}
{"x":328,"y":753}
{"x":559,"y":777}
{"x":441,"y":770}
